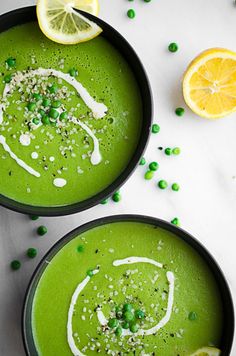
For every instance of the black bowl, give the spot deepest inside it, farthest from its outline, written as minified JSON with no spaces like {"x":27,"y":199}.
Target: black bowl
{"x":28,"y":14}
{"x":228,"y":309}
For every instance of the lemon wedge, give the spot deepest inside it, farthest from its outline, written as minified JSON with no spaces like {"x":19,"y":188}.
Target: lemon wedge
{"x":207,"y":351}
{"x":61,"y":23}
{"x":209,"y":84}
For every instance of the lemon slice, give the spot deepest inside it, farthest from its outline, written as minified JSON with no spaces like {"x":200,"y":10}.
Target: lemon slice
{"x":209,"y":84}
{"x":61,"y":23}
{"x":207,"y":351}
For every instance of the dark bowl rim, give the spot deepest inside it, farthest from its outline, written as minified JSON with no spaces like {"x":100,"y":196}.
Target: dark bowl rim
{"x":227,"y":301}
{"x":140,"y":74}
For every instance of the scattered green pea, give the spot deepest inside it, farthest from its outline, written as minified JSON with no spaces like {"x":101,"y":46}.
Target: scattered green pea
{"x":149,"y":175}
{"x":153,"y":166}
{"x":11,"y":62}
{"x":173,"y":47}
{"x":118,"y":331}
{"x":90,"y":273}
{"x":8,"y":78}
{"x":116,"y":197}
{"x":33,"y":217}
{"x":131,"y":13}
{"x":127,"y":307}
{"x":147,"y":0}
{"x":80,"y":248}
{"x":15,"y":265}
{"x":113,"y":323}
{"x":175,"y":187}
{"x":134,"y":328}
{"x":63,"y":116}
{"x":128,"y":316}
{"x":176,"y":151}
{"x":41,"y":112}
{"x":53,"y":122}
{"x":42,"y":230}
{"x":192,"y":316}
{"x":175,"y":221}
{"x":56,"y":104}
{"x":125,"y":325}
{"x":31,"y":106}
{"x":179,"y":111}
{"x":162,"y":184}
{"x":73,"y":72}
{"x":168,"y":151}
{"x":36,"y":121}
{"x":32,"y":252}
{"x":105,"y":201}
{"x":53,"y":89}
{"x":46,"y":120}
{"x":139,"y":314}
{"x":155,"y":128}
{"x":142,"y":161}
{"x":37,"y":96}
{"x":53,"y":113}
{"x":46,"y":102}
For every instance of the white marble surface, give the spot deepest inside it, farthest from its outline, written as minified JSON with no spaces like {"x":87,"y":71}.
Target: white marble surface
{"x":206,"y":204}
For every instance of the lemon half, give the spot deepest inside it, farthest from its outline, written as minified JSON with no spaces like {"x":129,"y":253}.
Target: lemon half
{"x":209,"y":84}
{"x":61,"y":23}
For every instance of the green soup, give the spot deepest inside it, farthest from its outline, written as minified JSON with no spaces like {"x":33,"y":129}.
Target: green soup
{"x":70,"y":117}
{"x":126,"y":288}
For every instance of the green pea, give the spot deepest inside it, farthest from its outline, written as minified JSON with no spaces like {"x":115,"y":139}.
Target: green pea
{"x":15,"y":265}
{"x":113,"y":323}
{"x":147,"y":0}
{"x":31,"y":106}
{"x":53,"y":123}
{"x":90,"y":273}
{"x":168,"y":151}
{"x":42,"y":230}
{"x":175,"y":187}
{"x":105,"y":201}
{"x":155,"y":128}
{"x":53,"y":89}
{"x":139,"y":314}
{"x":56,"y":104}
{"x":134,"y":328}
{"x":125,"y":325}
{"x":118,"y":331}
{"x":173,"y":47}
{"x":46,"y":120}
{"x":32,"y":252}
{"x":41,"y":112}
{"x":175,"y":221}
{"x":8,"y":78}
{"x":33,"y":217}
{"x":36,"y":121}
{"x":176,"y":151}
{"x":192,"y":316}
{"x":73,"y":72}
{"x":127,"y":307}
{"x":142,"y":161}
{"x":162,"y":184}
{"x":149,"y":175}
{"x":131,"y":13}
{"x":37,"y":96}
{"x":80,"y":248}
{"x":116,"y":197}
{"x":179,"y":111}
{"x":11,"y":62}
{"x":53,"y":113}
{"x":46,"y":102}
{"x":128,"y":316}
{"x":153,"y":166}
{"x":64,"y":116}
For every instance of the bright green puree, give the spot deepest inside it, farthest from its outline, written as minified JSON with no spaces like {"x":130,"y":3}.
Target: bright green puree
{"x":141,"y":288}
{"x":51,"y":144}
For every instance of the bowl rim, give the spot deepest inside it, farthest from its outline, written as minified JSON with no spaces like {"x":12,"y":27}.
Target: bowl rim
{"x":28,"y":14}
{"x":226,"y":297}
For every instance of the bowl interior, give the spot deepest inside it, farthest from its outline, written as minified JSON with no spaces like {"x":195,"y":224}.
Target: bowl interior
{"x":28,"y":14}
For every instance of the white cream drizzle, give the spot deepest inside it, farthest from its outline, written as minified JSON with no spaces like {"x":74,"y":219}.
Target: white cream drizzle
{"x":70,"y":339}
{"x":171,"y":280}
{"x":59,"y":182}
{"x":98,"y":109}
{"x":18,"y":160}
{"x":34,"y":155}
